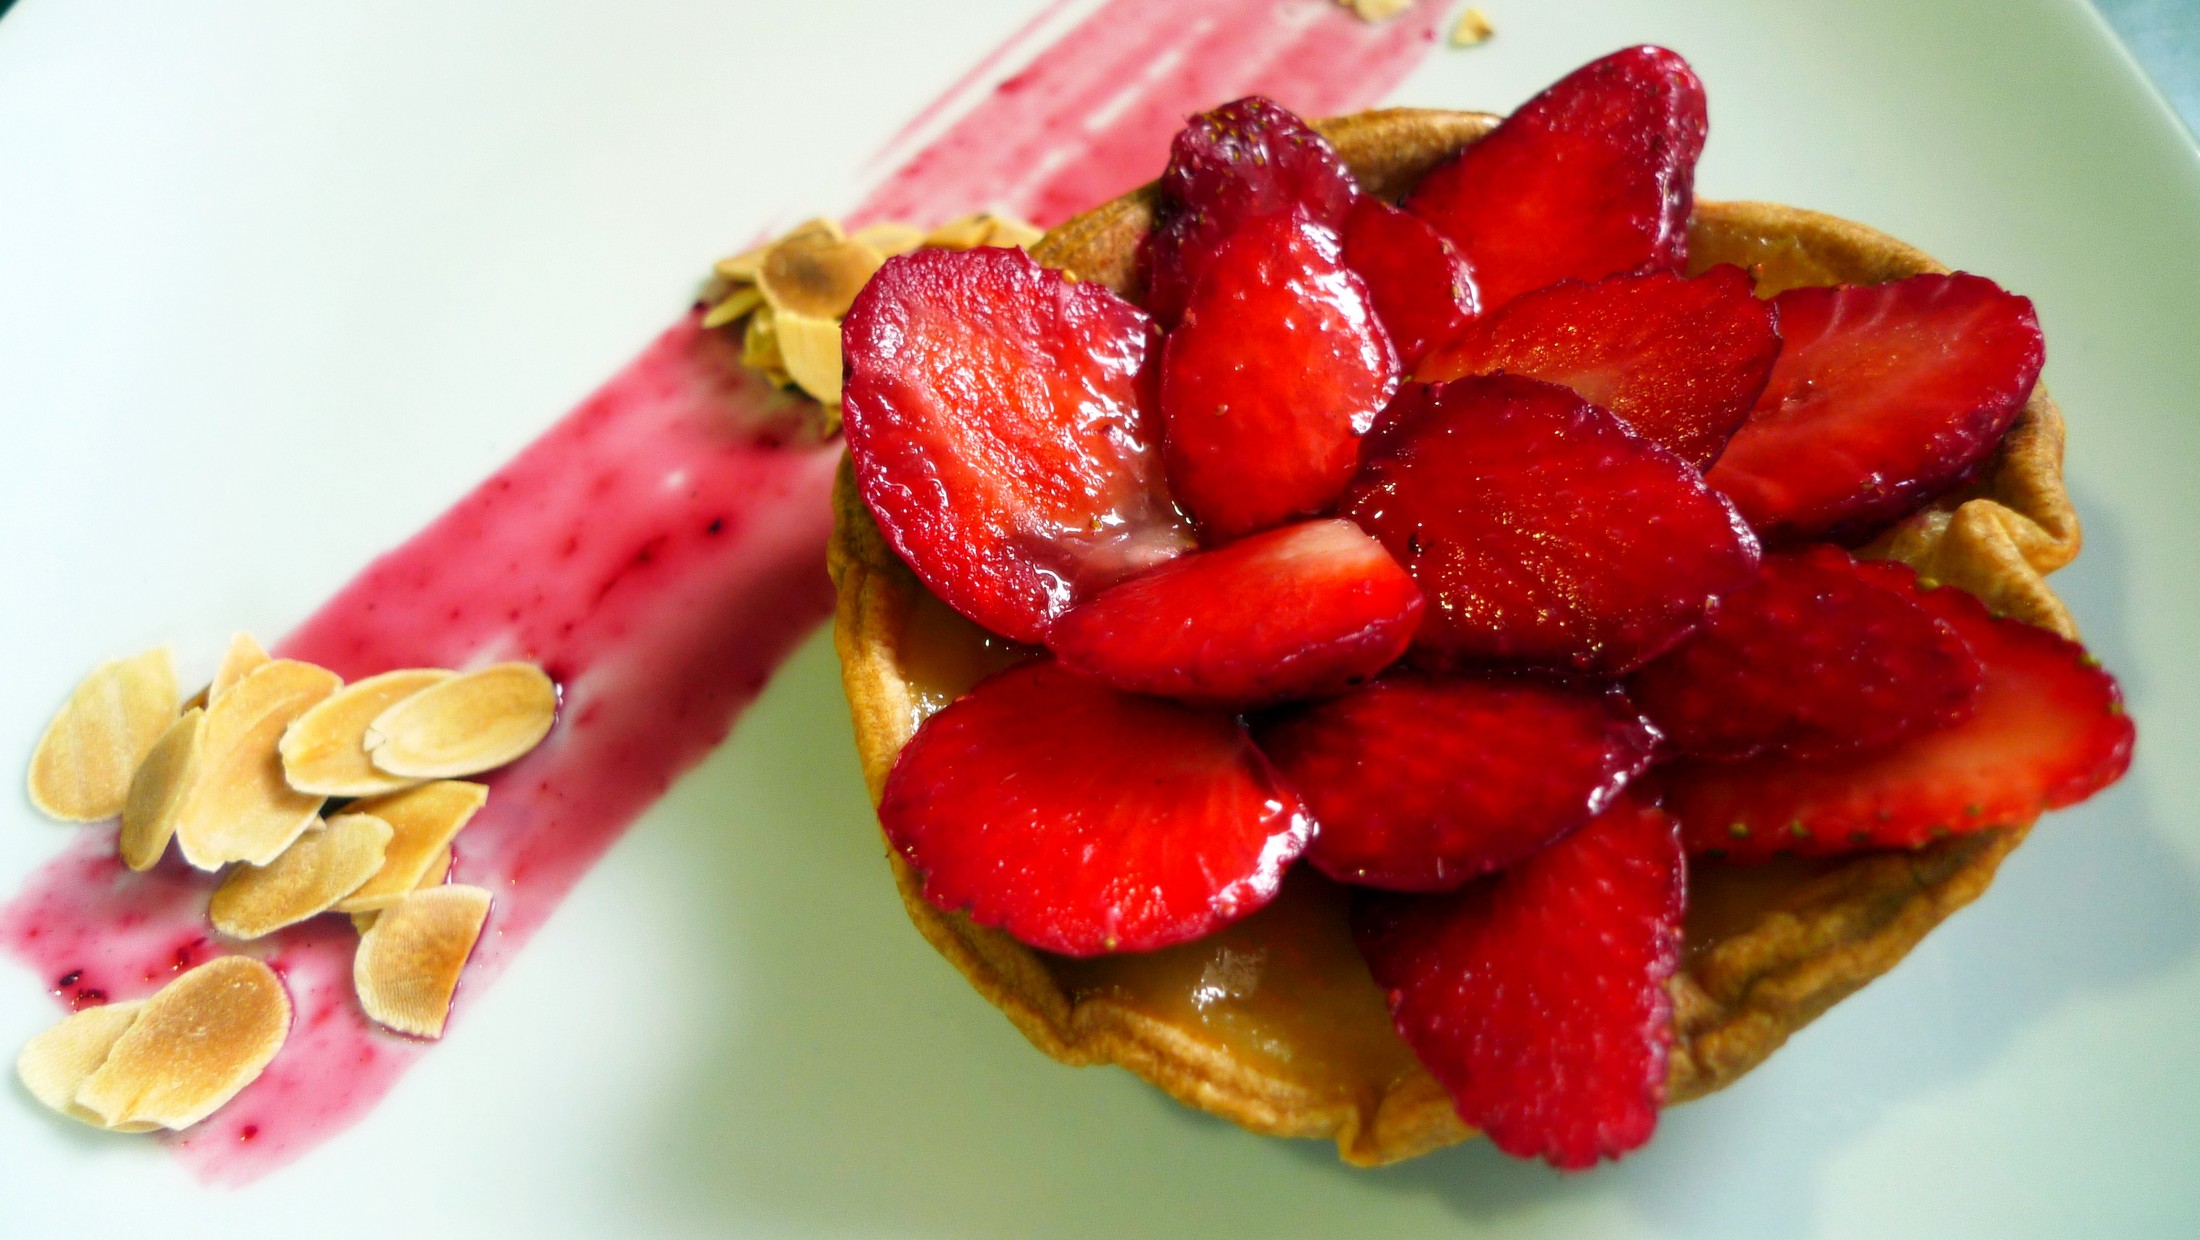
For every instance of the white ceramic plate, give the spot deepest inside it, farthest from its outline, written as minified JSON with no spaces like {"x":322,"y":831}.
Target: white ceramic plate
{"x":278,"y":282}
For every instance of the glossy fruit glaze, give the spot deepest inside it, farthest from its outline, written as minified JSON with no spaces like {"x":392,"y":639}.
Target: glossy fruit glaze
{"x":1284,"y":989}
{"x":660,"y":550}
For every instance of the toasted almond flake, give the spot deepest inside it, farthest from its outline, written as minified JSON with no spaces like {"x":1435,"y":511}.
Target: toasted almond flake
{"x":960,"y":234}
{"x":240,"y":808}
{"x":889,"y":238}
{"x":810,"y":346}
{"x":423,"y":821}
{"x":1007,"y":230}
{"x":468,"y":724}
{"x":760,"y":345}
{"x":984,"y":228}
{"x":816,"y":228}
{"x":1378,"y":10}
{"x":1473,"y":27}
{"x":324,"y":750}
{"x":741,"y":268}
{"x":738,"y":302}
{"x":326,"y":864}
{"x":437,"y":873}
{"x":56,"y":1063}
{"x":243,"y":658}
{"x":194,"y":1044}
{"x":81,"y":770}
{"x":158,"y":790}
{"x":438,"y":870}
{"x":408,"y":961}
{"x":816,"y":277}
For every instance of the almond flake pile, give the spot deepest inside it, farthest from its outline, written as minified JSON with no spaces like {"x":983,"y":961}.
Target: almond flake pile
{"x":310,"y":796}
{"x":787,"y":296}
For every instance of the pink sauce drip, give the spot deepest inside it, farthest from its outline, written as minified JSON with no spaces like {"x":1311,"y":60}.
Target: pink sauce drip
{"x":660,"y":551}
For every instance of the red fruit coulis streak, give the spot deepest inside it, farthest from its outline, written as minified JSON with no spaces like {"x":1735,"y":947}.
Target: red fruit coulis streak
{"x":659,"y":551}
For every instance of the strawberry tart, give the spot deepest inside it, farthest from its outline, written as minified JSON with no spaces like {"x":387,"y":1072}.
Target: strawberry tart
{"x":1413,"y":625}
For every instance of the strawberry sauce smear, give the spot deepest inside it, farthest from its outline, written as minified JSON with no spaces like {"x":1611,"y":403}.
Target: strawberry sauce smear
{"x":659,"y":551}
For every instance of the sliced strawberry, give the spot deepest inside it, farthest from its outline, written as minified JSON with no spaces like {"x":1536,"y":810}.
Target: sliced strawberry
{"x":1423,"y":292}
{"x":1814,"y":658}
{"x":1541,"y":531}
{"x":1246,"y":159}
{"x":1083,"y":820}
{"x":1679,"y":361}
{"x":1304,"y":611}
{"x":1419,"y":783}
{"x":1537,"y":997}
{"x":1001,"y":420}
{"x":1593,"y":176}
{"x":1277,"y":370}
{"x":1884,"y":397}
{"x":2047,"y":729}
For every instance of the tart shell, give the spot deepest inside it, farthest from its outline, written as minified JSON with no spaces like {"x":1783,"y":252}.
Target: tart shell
{"x":1770,"y":948}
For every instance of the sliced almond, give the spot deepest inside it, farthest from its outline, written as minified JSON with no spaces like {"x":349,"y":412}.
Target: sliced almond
{"x":81,"y":770}
{"x":1007,"y":230}
{"x":960,"y":234}
{"x":743,"y":299}
{"x":438,"y":870}
{"x":889,"y":238}
{"x":326,"y":864}
{"x":468,"y":724}
{"x":810,"y":348}
{"x":817,"y":228}
{"x":325,"y":749}
{"x":819,"y":278}
{"x":423,"y":821}
{"x":243,"y":658}
{"x":1379,"y":10}
{"x":742,"y":267}
{"x":1473,"y":27}
{"x":57,"y":1062}
{"x":240,"y":808}
{"x":436,"y":874}
{"x":408,"y":961}
{"x":984,"y":228}
{"x":760,"y":346}
{"x":194,"y":1044}
{"x":158,"y":790}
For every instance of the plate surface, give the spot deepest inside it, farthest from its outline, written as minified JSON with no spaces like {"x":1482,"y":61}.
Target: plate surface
{"x":279,"y":282}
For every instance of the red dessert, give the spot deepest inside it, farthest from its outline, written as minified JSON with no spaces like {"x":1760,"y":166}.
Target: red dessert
{"x":1593,"y":176}
{"x":1883,"y":398}
{"x":1554,"y":659}
{"x":1003,"y":421}
{"x":1303,"y":611}
{"x":1267,"y":385}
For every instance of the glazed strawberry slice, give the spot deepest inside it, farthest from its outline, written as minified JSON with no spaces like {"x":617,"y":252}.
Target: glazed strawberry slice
{"x":1420,"y":783}
{"x":1303,"y":611}
{"x":1002,"y":424}
{"x":1244,"y":160}
{"x":1814,"y":658}
{"x":1595,"y":175}
{"x":1082,"y":820}
{"x":1423,"y":292}
{"x":2047,"y":729}
{"x":1541,"y":531}
{"x":1537,"y":997}
{"x":1884,"y":397}
{"x":1266,"y":387}
{"x":1680,"y":361}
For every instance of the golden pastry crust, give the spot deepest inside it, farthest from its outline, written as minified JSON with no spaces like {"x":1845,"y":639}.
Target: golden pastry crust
{"x":1796,"y":940}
